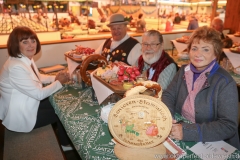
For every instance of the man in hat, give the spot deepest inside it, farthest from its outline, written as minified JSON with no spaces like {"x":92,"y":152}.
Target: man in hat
{"x":154,"y":62}
{"x":120,"y":47}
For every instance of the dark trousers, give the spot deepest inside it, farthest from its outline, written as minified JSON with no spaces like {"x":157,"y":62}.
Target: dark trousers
{"x":46,"y":115}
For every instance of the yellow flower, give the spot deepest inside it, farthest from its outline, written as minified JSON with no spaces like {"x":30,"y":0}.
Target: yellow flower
{"x":124,"y":54}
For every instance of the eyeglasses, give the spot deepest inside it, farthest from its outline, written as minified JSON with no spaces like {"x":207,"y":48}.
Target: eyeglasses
{"x":151,"y":45}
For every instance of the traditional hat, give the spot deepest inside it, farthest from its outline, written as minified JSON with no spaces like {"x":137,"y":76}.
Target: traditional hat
{"x":117,"y":19}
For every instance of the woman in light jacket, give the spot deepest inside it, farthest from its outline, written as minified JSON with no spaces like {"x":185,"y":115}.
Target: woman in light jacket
{"x":204,"y":93}
{"x":24,"y":103}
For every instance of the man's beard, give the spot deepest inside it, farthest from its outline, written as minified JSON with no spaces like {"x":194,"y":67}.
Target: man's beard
{"x":149,"y":59}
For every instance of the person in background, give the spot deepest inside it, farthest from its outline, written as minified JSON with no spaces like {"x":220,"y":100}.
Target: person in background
{"x":74,"y":18}
{"x":120,"y":47}
{"x":141,"y":24}
{"x":154,"y":62}
{"x":91,"y":24}
{"x":86,"y":12}
{"x":193,"y":23}
{"x":103,"y":18}
{"x":24,"y":103}
{"x":64,"y":22}
{"x":217,"y":24}
{"x":169,"y":23}
{"x":177,"y":19}
{"x":183,"y":17}
{"x":204,"y":93}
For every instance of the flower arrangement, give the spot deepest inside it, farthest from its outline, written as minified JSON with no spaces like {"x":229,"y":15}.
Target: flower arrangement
{"x":129,"y":19}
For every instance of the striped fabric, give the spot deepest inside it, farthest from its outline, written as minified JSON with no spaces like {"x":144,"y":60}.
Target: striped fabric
{"x":167,"y":75}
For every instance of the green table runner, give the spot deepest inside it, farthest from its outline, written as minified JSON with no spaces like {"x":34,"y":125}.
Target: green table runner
{"x":80,"y":116}
{"x":236,"y":77}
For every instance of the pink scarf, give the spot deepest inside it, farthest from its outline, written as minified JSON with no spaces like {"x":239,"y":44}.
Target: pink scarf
{"x":188,"y":110}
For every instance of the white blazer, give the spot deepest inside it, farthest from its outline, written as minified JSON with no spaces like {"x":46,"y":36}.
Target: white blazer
{"x":21,"y":92}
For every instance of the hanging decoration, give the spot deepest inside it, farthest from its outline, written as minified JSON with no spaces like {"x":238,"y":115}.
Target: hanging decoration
{"x":114,"y":9}
{"x":149,"y":10}
{"x":130,"y":10}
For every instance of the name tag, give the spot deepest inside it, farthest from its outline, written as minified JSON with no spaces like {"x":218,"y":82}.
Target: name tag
{"x":187,"y":68}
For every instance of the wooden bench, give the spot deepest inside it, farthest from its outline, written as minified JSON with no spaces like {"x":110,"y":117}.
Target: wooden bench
{"x":39,"y":144}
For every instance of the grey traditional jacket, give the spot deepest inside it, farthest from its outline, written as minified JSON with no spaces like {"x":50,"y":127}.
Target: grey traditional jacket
{"x":216,"y":107}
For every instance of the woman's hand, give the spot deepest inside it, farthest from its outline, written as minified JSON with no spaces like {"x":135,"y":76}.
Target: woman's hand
{"x":62,"y":77}
{"x":176,"y":131}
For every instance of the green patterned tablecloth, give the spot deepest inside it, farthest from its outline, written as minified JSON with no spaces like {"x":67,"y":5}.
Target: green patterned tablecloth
{"x":236,"y":77}
{"x":80,"y":116}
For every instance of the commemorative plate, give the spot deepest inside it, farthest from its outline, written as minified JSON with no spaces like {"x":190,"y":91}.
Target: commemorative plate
{"x":140,"y":121}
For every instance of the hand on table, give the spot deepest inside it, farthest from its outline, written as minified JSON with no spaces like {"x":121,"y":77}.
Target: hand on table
{"x":176,"y":131}
{"x":62,"y":77}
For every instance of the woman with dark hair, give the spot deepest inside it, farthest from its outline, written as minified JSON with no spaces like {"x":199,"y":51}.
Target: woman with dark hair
{"x":204,"y":93}
{"x":24,"y":103}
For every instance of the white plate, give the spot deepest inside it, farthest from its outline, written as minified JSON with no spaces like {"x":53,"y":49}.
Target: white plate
{"x":237,"y":71}
{"x":105,"y":112}
{"x":77,"y":56}
{"x":183,"y":56}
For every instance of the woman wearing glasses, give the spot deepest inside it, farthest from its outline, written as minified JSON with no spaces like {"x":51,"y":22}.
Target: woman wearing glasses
{"x":154,"y":62}
{"x":204,"y":93}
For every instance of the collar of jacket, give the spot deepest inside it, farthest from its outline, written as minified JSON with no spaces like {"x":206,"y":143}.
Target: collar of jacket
{"x":214,"y":69}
